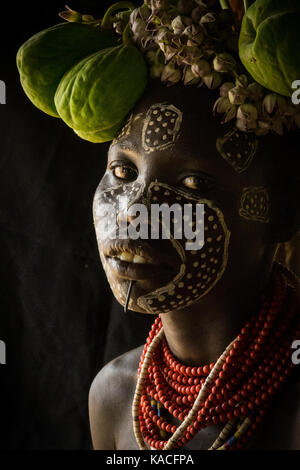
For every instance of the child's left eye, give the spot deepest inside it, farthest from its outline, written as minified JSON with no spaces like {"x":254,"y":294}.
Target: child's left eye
{"x":191,"y":182}
{"x":196,"y":182}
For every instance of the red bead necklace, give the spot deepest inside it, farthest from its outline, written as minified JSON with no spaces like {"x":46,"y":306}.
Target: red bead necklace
{"x":237,"y":391}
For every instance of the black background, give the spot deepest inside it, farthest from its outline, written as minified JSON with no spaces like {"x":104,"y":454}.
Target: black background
{"x":59,"y":319}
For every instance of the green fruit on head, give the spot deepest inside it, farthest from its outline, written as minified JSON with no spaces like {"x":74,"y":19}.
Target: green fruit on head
{"x":269,"y":43}
{"x":45,"y":57}
{"x":95,"y":96}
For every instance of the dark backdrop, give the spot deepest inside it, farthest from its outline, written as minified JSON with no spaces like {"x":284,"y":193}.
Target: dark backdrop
{"x":58,"y":317}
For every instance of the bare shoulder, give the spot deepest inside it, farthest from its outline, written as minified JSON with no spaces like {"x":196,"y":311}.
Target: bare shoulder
{"x":110,"y":392}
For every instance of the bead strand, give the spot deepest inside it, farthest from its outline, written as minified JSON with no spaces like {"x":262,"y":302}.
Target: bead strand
{"x":240,"y":385}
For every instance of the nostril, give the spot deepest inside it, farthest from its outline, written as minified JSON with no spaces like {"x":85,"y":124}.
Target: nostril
{"x":124,"y":217}
{"x":130,"y":218}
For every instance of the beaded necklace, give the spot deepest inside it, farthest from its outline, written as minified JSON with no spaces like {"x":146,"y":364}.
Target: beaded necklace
{"x":236,"y":390}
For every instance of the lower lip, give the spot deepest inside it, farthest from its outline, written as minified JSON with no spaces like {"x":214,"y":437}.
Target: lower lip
{"x":136,"y":271}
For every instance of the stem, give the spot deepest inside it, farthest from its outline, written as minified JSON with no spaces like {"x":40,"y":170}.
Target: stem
{"x":247,"y":4}
{"x":126,"y":36}
{"x":224,"y":4}
{"x":106,"y":23}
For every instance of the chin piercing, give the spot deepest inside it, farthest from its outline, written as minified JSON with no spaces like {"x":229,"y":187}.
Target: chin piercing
{"x":131,"y":282}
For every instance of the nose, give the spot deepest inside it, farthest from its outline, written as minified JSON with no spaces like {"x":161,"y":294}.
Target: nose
{"x":129,"y":198}
{"x":124,"y":217}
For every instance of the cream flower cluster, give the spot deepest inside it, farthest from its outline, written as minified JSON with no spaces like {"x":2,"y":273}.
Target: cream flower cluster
{"x":196,"y":42}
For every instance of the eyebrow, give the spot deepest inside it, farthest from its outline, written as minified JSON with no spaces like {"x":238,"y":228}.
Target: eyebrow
{"x":122,"y":149}
{"x":126,"y":145}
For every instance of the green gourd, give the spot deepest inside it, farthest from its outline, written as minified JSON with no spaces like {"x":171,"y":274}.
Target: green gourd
{"x":269,"y":43}
{"x":44,"y":58}
{"x":96,"y":95}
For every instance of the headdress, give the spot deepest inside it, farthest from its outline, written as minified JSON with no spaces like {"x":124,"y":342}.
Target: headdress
{"x":91,"y":72}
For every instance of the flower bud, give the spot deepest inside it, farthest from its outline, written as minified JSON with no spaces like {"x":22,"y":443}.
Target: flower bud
{"x":71,"y":15}
{"x":269,"y":102}
{"x":177,"y":25}
{"x":144,"y":11}
{"x":245,"y":126}
{"x":241,"y":80}
{"x":189,"y":77}
{"x":195,"y":35}
{"x":170,"y":73}
{"x":201,"y":68}
{"x":189,"y":55}
{"x":122,"y":18}
{"x":208,"y":18}
{"x":230,"y":114}
{"x":237,"y":95}
{"x":138,"y":28}
{"x":225,"y":88}
{"x":222,"y":105}
{"x":213,"y":80}
{"x":247,"y":111}
{"x":224,"y":62}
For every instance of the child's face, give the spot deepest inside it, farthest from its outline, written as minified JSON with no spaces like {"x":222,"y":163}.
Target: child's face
{"x":168,"y":154}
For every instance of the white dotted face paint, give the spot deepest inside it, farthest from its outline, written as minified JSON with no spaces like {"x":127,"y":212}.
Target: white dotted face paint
{"x":199,"y":271}
{"x":238,"y":149}
{"x":161,"y":127}
{"x":255,"y":204}
{"x":120,"y":197}
{"x":126,"y":129}
{"x":124,"y":132}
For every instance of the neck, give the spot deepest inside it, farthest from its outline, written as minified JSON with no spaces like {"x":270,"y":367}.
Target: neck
{"x":199,"y":334}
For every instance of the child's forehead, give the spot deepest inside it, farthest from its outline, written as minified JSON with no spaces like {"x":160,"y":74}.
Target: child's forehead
{"x":157,"y":128}
{"x":177,"y":126}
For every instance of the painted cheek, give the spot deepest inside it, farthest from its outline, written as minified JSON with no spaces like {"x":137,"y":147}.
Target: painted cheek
{"x":118,"y":196}
{"x":200,"y":269}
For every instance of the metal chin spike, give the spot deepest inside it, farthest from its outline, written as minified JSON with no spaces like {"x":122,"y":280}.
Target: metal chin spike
{"x":131,"y":282}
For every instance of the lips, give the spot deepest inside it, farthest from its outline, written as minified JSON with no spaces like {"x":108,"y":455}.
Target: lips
{"x":138,"y":260}
{"x":134,"y":258}
{"x":136,"y":271}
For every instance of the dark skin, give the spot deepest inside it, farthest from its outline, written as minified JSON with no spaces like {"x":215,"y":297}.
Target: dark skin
{"x":199,"y":333}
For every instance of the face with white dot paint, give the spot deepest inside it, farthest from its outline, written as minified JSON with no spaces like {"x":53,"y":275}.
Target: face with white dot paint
{"x":167,"y":153}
